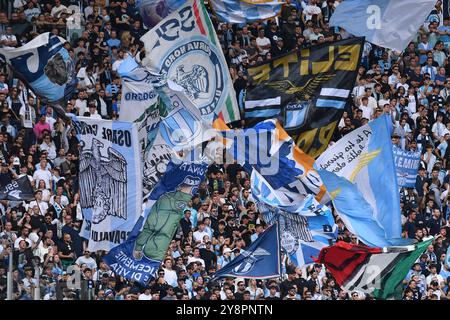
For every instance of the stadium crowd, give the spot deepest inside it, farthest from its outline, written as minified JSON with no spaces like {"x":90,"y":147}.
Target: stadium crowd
{"x":222,"y":220}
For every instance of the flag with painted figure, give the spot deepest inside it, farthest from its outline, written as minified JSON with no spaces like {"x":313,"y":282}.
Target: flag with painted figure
{"x":140,"y":256}
{"x":287,"y":171}
{"x":308,"y":89}
{"x":184,"y":48}
{"x":364,"y":158}
{"x":110,"y":180}
{"x":387,"y":23}
{"x":243,"y":11}
{"x":139,"y":96}
{"x":261,"y":260}
{"x":304,"y":229}
{"x":44,"y":64}
{"x":375,"y":271}
{"x":407,"y":164}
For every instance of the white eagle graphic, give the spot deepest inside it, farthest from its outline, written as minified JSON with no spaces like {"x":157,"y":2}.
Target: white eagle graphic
{"x":194,"y":82}
{"x":103,"y":182}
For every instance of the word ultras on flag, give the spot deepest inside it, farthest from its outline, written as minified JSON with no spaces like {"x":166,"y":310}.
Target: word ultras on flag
{"x":110,"y":180}
{"x":45,"y":65}
{"x":308,"y":89}
{"x":140,"y":256}
{"x":184,"y":48}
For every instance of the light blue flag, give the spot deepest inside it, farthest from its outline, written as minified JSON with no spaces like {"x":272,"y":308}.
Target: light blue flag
{"x":286,"y":174}
{"x":304,"y":231}
{"x":354,"y":211}
{"x":387,"y":23}
{"x":110,"y":179}
{"x":243,"y":11}
{"x":364,"y":158}
{"x":127,"y":66}
{"x":447,"y":258}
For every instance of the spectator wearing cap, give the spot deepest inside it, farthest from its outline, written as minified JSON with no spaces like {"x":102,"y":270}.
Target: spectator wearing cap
{"x":278,"y":49}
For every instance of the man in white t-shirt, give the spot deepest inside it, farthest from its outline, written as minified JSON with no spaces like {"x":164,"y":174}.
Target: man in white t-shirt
{"x":87,"y":260}
{"x":58,"y":9}
{"x":23,"y":236}
{"x":8,"y":40}
{"x":263,"y":43}
{"x":147,"y":295}
{"x":43,"y":174}
{"x":200,"y":233}
{"x":196,"y":257}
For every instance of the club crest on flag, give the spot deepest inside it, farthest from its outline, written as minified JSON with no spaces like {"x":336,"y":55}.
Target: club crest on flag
{"x":250,"y":260}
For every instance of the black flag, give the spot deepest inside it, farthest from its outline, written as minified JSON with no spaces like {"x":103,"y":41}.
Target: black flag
{"x":17,"y":190}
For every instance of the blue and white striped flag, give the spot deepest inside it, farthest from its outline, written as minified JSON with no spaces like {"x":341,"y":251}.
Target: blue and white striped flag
{"x":387,"y":23}
{"x":243,"y":11}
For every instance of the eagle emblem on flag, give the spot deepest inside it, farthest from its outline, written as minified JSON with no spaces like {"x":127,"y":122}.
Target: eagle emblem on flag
{"x":103,"y":182}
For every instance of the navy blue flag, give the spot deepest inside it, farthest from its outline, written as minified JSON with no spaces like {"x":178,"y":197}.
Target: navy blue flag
{"x":261,"y":260}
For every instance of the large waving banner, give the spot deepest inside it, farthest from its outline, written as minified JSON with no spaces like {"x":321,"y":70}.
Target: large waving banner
{"x":286,"y":173}
{"x":45,"y":65}
{"x":387,"y":23}
{"x":364,"y":158}
{"x":304,"y":229}
{"x":110,"y":180}
{"x":153,"y":11}
{"x":184,"y":47}
{"x":308,"y":89}
{"x":407,"y":163}
{"x":139,"y":257}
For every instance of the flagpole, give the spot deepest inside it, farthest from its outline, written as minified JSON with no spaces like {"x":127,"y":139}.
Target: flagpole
{"x":279,"y":248}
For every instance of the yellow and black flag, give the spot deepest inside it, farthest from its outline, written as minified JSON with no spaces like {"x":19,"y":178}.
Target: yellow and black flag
{"x":307,"y":90}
